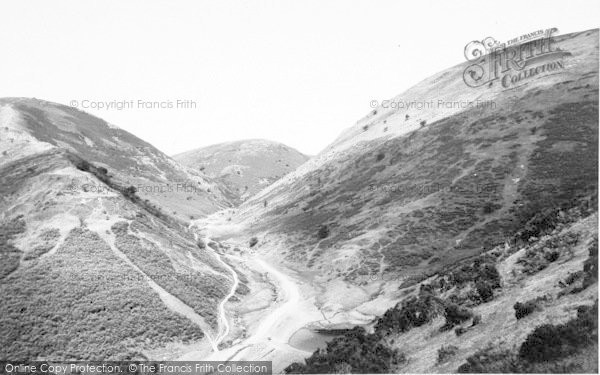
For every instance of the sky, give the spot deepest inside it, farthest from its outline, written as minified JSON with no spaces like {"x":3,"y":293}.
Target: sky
{"x":296,"y":72}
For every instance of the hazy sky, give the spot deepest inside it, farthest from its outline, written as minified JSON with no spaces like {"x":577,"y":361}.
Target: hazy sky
{"x":297,"y":72}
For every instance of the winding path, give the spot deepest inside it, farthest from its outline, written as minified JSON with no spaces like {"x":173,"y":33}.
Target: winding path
{"x":224,"y":328}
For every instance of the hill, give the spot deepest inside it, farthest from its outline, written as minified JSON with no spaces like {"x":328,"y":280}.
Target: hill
{"x":409,"y":191}
{"x":245,"y":167}
{"x":89,"y":268}
{"x":32,"y":125}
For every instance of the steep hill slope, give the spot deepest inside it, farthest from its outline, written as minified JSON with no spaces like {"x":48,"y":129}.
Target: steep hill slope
{"x":32,"y":125}
{"x":247,"y":166}
{"x":89,"y":269}
{"x":410,"y":191}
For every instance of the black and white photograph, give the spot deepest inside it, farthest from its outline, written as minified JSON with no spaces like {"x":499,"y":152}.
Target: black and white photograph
{"x":260,"y":187}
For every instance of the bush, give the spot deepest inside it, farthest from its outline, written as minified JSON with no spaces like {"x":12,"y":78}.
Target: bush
{"x":456,"y":315}
{"x":354,"y":352}
{"x":323,"y":232}
{"x":488,"y":208}
{"x":82,"y":165}
{"x":491,"y":360}
{"x":380,"y":156}
{"x":524,"y":309}
{"x":551,"y":256}
{"x":129,"y":192}
{"x":253,"y":241}
{"x":590,"y":266}
{"x":551,"y":342}
{"x":485,"y":291}
{"x":446,"y":352}
{"x":423,"y":123}
{"x":412,"y":312}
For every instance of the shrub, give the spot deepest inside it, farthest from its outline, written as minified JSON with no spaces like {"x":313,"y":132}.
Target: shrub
{"x":485,"y":291}
{"x":323,"y":232}
{"x":590,"y":266}
{"x":446,"y":352}
{"x":550,"y":342}
{"x":456,"y":315}
{"x":476,"y":320}
{"x":551,"y":256}
{"x":412,"y":312}
{"x":491,"y":360}
{"x":129,"y":192}
{"x":488,"y":208}
{"x":380,"y":156}
{"x":524,"y":309}
{"x":82,"y":165}
{"x":423,"y":123}
{"x":354,"y":352}
{"x":253,"y":241}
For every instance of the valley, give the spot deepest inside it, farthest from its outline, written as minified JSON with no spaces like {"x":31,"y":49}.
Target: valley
{"x":421,"y":240}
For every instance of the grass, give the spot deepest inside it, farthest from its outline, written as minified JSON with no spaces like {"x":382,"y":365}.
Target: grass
{"x":45,"y":242}
{"x":200,"y":291}
{"x":10,"y":256}
{"x":84,"y":303}
{"x":446,"y":352}
{"x":564,"y":348}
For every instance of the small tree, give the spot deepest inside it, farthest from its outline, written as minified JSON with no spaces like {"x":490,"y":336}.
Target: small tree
{"x":130,"y":191}
{"x":253,"y":241}
{"x":423,"y":123}
{"x":323,"y":232}
{"x":456,"y":314}
{"x":524,"y":309}
{"x":83,"y":165}
{"x":485,"y":291}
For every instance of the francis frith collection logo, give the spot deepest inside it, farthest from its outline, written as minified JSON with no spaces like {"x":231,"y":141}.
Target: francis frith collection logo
{"x":514,"y":62}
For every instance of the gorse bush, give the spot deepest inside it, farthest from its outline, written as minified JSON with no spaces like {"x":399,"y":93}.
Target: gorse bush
{"x":323,"y":232}
{"x":485,"y":291}
{"x":548,"y":349}
{"x":456,"y":315}
{"x":354,"y":352}
{"x":446,"y":352}
{"x":590,"y":266}
{"x":253,"y":241}
{"x":524,"y":309}
{"x":550,"y":342}
{"x":412,"y":312}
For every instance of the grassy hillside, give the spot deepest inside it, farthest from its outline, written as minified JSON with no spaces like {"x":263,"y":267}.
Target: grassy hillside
{"x":245,"y":167}
{"x":414,"y":201}
{"x":34,"y":125}
{"x":96,"y":273}
{"x":527,"y":309}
